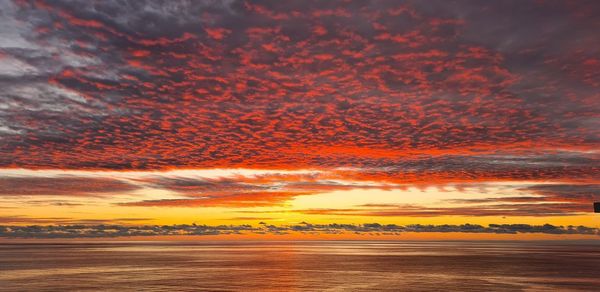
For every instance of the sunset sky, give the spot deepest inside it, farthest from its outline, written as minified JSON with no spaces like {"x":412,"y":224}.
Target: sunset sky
{"x":240,"y":112}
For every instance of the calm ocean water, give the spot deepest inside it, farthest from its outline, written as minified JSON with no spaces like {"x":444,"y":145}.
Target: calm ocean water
{"x":301,"y":266}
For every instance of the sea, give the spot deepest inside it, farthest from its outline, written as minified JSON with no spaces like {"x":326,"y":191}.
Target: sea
{"x":300,"y":266}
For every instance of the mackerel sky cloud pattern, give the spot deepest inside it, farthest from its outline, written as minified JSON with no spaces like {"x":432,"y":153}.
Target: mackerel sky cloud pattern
{"x":365,"y":94}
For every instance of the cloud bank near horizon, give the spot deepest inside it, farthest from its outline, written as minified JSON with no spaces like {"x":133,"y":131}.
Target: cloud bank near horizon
{"x":376,"y":229}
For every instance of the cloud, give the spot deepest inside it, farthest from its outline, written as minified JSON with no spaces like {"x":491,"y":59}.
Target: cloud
{"x":27,"y":220}
{"x":494,"y":208}
{"x":365,"y":95}
{"x":540,"y":200}
{"x":253,"y":199}
{"x":271,"y":189}
{"x":581,"y":193}
{"x":62,"y":186}
{"x":246,"y":218}
{"x":546,"y":200}
{"x":292,"y":85}
{"x":191,"y":185}
{"x":65,"y":220}
{"x":115,"y":230}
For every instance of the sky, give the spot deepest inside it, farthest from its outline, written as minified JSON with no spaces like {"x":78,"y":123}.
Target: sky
{"x":287,"y":112}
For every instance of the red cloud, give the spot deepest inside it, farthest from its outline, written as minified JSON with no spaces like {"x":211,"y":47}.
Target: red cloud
{"x":217,"y":33}
{"x":417,"y":96}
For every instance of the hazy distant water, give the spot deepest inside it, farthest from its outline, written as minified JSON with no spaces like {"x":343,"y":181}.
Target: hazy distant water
{"x":300,"y":266}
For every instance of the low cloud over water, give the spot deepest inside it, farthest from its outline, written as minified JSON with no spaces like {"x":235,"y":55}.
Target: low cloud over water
{"x":114,"y":230}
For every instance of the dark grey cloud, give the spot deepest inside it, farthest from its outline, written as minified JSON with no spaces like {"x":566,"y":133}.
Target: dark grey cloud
{"x":487,"y":208}
{"x":115,"y":230}
{"x":204,"y":185}
{"x":545,"y":199}
{"x":568,"y":192}
{"x":63,"y":186}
